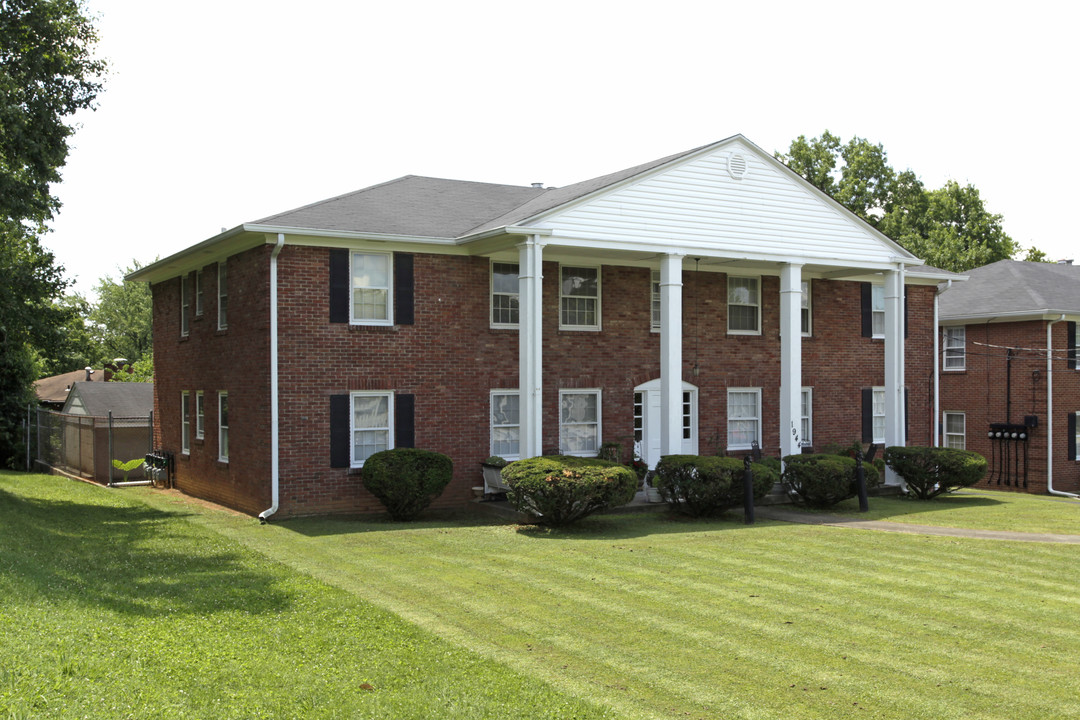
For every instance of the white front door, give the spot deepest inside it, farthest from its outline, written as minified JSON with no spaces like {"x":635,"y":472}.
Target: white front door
{"x":647,"y":419}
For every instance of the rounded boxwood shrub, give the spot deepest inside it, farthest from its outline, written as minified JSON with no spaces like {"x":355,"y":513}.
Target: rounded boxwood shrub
{"x":559,"y":489}
{"x":821,"y":480}
{"x":930,"y":471}
{"x":406,"y":480}
{"x":700,"y":485}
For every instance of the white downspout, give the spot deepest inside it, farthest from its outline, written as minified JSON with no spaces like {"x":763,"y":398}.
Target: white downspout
{"x":273,"y":381}
{"x":935,"y":442}
{"x":1050,"y":413}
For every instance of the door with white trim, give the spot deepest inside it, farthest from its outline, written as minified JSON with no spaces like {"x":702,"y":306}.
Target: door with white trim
{"x":647,"y":421}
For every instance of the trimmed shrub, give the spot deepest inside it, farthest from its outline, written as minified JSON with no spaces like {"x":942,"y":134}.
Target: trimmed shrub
{"x":559,"y":489}
{"x":406,"y":480}
{"x":930,"y":471}
{"x":701,"y":485}
{"x":822,"y":480}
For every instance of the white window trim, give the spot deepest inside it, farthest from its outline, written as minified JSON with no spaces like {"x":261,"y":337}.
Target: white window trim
{"x":756,"y":304}
{"x":389,"y":395}
{"x":185,"y":422}
{"x":878,"y":440}
{"x":954,"y":352}
{"x":874,"y":290}
{"x":809,"y":309}
{"x":757,"y":392}
{"x":198,"y":293}
{"x":492,"y":425}
{"x":353,"y":320}
{"x":599,"y":420}
{"x":1077,"y":437}
{"x":654,"y":301}
{"x":492,"y":293}
{"x":223,"y":428}
{"x":185,"y":306}
{"x":200,"y":415}
{"x":809,"y":417}
{"x":945,"y":428}
{"x":222,"y":292}
{"x":599,"y":295}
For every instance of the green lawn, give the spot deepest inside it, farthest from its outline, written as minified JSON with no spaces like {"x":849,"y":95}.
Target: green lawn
{"x":640,"y":616}
{"x":977,"y":509}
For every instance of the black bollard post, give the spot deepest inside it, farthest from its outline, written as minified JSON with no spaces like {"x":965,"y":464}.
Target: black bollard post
{"x":860,"y":480}
{"x":748,"y":491}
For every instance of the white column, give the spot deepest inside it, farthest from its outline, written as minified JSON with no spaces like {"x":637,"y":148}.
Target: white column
{"x":894,"y":365}
{"x":790,"y":359}
{"x":671,"y":342}
{"x":530,"y":345}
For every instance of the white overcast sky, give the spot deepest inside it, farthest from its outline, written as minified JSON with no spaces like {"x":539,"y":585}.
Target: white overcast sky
{"x":219,"y":113}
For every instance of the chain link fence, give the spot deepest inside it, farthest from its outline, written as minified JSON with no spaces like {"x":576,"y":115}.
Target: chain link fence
{"x":87,"y":446}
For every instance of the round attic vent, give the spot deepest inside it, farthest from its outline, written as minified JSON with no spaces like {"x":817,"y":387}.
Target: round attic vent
{"x":737,"y":166}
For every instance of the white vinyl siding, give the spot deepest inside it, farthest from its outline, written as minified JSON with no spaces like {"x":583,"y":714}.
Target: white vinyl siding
{"x":371,"y":424}
{"x":372,"y":275}
{"x":200,"y":415}
{"x":579,"y":298}
{"x":743,"y":418}
{"x":744,"y":305}
{"x":579,"y":422}
{"x":506,"y":424}
{"x":223,"y":426}
{"x":955,"y":342}
{"x":504,"y":294}
{"x":955,"y":430}
{"x":222,"y":297}
{"x":877,"y":415}
{"x":185,"y":422}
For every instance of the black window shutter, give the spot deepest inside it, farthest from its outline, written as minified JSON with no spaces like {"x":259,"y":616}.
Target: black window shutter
{"x":403,"y":289}
{"x":867,"y":310}
{"x":1072,"y":436}
{"x":868,"y":415}
{"x":404,"y":423}
{"x":1070,"y":328}
{"x":339,"y":431}
{"x":340,"y":273}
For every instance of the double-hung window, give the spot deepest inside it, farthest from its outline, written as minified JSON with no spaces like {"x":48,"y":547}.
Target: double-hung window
{"x":744,"y":418}
{"x":198,"y":292}
{"x":955,"y":348}
{"x":579,"y":298}
{"x":185,"y":305}
{"x":877,"y":311}
{"x":223,"y":426}
{"x":371,"y":289}
{"x":200,"y":415}
{"x":185,"y":422}
{"x":877,"y":414}
{"x":805,"y":313}
{"x":955,"y":430}
{"x":654,"y":297}
{"x":504,"y":294}
{"x":372,"y":424}
{"x":806,"y":420}
{"x":579,"y":422}
{"x":222,"y":297}
{"x":506,"y":424}
{"x":744,"y":305}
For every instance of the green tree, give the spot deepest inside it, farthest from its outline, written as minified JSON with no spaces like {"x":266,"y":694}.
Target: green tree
{"x":73,"y":345}
{"x":47,"y":74}
{"x":122,"y":318}
{"x":949,"y":227}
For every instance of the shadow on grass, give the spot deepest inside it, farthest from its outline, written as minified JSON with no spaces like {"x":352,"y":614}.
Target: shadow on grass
{"x":125,"y":559}
{"x":883,"y":508}
{"x":626,"y":526}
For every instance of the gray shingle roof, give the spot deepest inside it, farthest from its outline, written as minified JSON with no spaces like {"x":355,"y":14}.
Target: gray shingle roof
{"x":124,"y":399}
{"x":1010,"y":287}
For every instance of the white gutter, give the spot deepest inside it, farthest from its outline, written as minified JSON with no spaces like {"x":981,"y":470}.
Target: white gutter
{"x":273,"y":381}
{"x":1050,"y":413}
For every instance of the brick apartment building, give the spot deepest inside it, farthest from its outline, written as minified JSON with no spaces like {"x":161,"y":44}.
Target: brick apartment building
{"x":1009,"y":386}
{"x":697,"y":303}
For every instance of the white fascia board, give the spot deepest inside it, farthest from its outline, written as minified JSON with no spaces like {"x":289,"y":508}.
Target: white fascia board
{"x":1004,"y":317}
{"x":301,"y":232}
{"x":225,"y":243}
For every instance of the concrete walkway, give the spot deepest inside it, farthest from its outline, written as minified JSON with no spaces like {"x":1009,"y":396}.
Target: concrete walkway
{"x":774,"y":512}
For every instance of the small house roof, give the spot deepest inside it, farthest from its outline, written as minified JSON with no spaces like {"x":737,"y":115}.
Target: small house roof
{"x":123,"y":399}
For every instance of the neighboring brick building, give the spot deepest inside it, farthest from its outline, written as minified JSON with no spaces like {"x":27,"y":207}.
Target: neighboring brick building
{"x":696,"y":303}
{"x":1009,"y":380}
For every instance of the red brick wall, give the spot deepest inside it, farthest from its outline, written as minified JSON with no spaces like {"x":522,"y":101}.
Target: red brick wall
{"x":982,"y":393}
{"x":450,"y":360}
